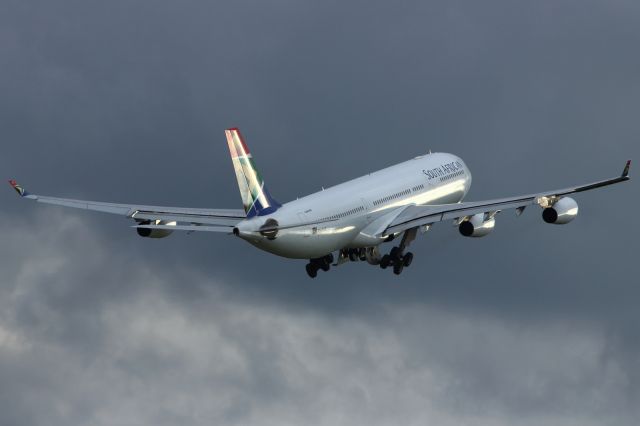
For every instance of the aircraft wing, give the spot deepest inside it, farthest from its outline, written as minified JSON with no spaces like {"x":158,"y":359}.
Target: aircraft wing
{"x":417,"y":215}
{"x":151,"y":217}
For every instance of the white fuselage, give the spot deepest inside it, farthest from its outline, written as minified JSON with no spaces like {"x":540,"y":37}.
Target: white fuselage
{"x":353,"y":214}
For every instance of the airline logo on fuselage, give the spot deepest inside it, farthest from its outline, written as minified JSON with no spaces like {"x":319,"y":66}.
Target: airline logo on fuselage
{"x":443,"y":170}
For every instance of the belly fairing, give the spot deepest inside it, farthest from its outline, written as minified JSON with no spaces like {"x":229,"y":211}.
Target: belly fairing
{"x":308,"y":242}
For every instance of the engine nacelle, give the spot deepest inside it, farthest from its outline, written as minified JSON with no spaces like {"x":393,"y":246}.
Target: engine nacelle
{"x":477,"y":226}
{"x":155,"y":233}
{"x":562,"y":211}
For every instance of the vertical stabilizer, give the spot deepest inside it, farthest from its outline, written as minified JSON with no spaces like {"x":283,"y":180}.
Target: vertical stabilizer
{"x":255,"y":197}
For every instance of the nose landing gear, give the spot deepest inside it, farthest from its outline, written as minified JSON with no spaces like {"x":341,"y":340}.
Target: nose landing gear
{"x":355,"y":255}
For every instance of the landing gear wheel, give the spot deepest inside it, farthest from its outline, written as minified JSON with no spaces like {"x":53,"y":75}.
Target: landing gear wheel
{"x":397,"y":268}
{"x":363,"y":254}
{"x":312,"y":270}
{"x":407,"y":259}
{"x":385,"y":261}
{"x":353,"y":255}
{"x":325,"y":266}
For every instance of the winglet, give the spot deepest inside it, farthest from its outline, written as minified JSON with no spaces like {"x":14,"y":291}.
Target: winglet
{"x":20,"y":190}
{"x":625,"y":172}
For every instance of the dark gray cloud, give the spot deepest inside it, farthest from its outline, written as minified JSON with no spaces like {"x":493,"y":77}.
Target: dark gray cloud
{"x":127,"y":102}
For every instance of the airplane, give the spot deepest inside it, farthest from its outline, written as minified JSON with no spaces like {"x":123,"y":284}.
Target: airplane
{"x":352,"y":219}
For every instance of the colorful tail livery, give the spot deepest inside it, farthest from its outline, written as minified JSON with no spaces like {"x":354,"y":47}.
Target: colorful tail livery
{"x":20,"y":190}
{"x":255,"y":197}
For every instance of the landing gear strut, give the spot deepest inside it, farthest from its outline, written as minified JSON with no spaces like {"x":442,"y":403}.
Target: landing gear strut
{"x":323,"y":263}
{"x":396,"y":258}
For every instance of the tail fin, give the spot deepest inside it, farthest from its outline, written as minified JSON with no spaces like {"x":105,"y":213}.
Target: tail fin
{"x":255,"y":197}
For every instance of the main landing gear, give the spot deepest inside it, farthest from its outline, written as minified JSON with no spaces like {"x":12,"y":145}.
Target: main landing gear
{"x":396,"y":258}
{"x":315,"y":265}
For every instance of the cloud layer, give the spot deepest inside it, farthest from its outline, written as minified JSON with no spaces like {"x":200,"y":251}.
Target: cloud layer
{"x":141,"y":355}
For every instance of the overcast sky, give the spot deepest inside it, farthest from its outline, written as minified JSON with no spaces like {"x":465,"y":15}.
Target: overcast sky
{"x":127,"y":101}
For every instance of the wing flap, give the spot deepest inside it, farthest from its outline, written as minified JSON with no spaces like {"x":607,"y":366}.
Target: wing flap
{"x":186,"y":218}
{"x":422,"y":215}
{"x":191,"y":228}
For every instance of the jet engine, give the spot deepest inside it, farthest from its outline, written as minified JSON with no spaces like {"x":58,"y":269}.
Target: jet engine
{"x":562,"y":211}
{"x":477,"y":226}
{"x":155,"y":233}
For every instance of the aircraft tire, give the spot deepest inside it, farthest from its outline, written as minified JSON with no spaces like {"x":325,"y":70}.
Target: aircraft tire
{"x":353,"y":255}
{"x":312,"y":270}
{"x":385,"y":261}
{"x":407,"y":259}
{"x":397,"y":268}
{"x":325,"y":266}
{"x":363,"y":254}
